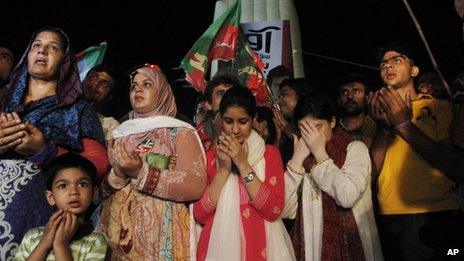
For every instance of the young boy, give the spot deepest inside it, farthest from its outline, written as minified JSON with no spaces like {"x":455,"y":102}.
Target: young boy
{"x":68,"y":235}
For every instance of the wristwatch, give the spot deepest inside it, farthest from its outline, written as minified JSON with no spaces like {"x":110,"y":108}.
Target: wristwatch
{"x":250,"y":176}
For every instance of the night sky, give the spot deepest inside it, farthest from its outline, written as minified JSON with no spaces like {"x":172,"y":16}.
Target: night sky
{"x":162,"y":32}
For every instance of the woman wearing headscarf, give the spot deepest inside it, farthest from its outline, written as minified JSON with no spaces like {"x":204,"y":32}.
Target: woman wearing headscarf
{"x":41,"y":118}
{"x":158,"y":165}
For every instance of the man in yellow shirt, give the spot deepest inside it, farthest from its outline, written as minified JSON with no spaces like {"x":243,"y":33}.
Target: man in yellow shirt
{"x":419,"y":217}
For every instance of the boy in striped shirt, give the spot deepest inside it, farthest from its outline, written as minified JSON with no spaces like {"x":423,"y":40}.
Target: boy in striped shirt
{"x":68,"y":235}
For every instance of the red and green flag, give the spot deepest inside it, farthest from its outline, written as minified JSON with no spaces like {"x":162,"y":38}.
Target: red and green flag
{"x":248,"y":67}
{"x":218,"y":42}
{"x":224,"y":40}
{"x":90,"y":57}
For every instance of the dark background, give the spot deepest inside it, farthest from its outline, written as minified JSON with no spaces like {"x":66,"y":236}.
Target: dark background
{"x":162,"y":32}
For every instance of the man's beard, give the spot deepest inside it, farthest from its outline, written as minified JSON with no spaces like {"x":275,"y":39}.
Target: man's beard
{"x":352,"y":110}
{"x":89,"y":94}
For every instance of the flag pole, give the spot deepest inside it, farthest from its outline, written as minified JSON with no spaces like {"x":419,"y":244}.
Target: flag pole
{"x":337,"y":60}
{"x":271,"y":99}
{"x":429,"y":51}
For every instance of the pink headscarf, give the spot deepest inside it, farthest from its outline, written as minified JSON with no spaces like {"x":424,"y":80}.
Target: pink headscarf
{"x":165,"y":104}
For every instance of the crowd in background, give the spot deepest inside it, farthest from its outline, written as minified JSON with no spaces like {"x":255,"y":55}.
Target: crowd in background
{"x":371,"y":174}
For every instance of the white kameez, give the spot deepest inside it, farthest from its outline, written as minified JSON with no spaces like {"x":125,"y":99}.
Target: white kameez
{"x":349,"y":187}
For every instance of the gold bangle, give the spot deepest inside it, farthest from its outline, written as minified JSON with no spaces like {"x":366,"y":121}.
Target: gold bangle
{"x":319,"y":163}
{"x":322,"y":160}
{"x":294,"y":171}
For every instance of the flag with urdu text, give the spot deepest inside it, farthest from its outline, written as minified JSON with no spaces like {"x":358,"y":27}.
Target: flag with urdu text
{"x":90,"y":57}
{"x":224,"y":40}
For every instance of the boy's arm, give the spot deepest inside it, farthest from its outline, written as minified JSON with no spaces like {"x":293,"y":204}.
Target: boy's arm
{"x":436,"y":153}
{"x":63,"y":236}
{"x":440,"y":156}
{"x":40,"y":252}
{"x":62,"y":252}
{"x":378,"y":151}
{"x":382,"y":136}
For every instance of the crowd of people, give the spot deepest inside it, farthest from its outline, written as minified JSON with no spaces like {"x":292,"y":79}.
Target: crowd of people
{"x":371,"y":174}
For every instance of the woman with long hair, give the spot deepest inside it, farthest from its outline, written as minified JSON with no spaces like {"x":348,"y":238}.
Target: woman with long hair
{"x":241,"y":207}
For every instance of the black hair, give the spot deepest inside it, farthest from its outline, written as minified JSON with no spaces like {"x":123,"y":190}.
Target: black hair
{"x":397,"y":47}
{"x":107,"y":69}
{"x":64,"y":39}
{"x":238,"y":96}
{"x":69,"y":160}
{"x":319,"y":106}
{"x":13,"y":47}
{"x":265,"y":114}
{"x":278,"y":71}
{"x":427,"y":77}
{"x":216,"y":81}
{"x":199,"y":99}
{"x":299,"y":85}
{"x":352,"y":78}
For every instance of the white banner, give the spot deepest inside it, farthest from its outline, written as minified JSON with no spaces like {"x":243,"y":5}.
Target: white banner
{"x":271,"y":41}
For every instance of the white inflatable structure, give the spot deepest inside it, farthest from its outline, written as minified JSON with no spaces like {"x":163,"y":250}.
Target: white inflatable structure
{"x":270,"y":10}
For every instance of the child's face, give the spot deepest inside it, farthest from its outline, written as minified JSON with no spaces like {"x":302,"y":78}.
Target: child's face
{"x":72,"y":189}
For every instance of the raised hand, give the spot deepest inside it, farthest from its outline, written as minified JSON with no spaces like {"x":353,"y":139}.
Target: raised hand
{"x":279,"y":119}
{"x":376,"y":111}
{"x":224,"y":161}
{"x":314,"y":139}
{"x":233,"y":149}
{"x":396,"y":110}
{"x":66,"y":229}
{"x":33,"y":141}
{"x":51,"y":228}
{"x":130,"y":163}
{"x":11,"y":131}
{"x":300,"y":151}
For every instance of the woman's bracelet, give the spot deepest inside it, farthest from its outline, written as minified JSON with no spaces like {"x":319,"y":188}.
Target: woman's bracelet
{"x":320,"y":163}
{"x":322,"y":160}
{"x":294,"y":171}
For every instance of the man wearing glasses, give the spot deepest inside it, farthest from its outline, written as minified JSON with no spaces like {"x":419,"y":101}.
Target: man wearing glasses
{"x":419,"y":217}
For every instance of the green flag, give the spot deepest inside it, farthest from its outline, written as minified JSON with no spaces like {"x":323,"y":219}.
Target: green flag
{"x":90,"y":57}
{"x":218,"y":42}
